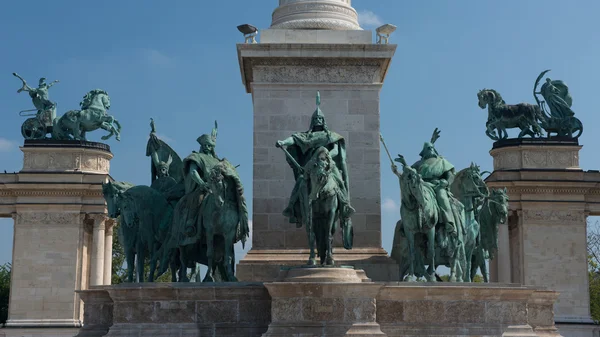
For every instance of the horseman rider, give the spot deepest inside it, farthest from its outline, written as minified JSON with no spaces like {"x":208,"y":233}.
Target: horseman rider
{"x":197,"y":167}
{"x":302,"y":147}
{"x":438,"y":171}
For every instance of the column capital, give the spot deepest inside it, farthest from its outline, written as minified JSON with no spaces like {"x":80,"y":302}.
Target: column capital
{"x":100,"y":220}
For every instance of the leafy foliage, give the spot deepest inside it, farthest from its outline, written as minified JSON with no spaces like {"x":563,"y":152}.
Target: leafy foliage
{"x":5,"y":270}
{"x":593,"y":250}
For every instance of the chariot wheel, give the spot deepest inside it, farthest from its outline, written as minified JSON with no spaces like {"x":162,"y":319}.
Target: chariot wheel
{"x":32,"y":128}
{"x":577,"y":127}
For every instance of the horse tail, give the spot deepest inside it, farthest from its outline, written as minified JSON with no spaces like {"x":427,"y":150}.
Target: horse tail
{"x":321,"y":237}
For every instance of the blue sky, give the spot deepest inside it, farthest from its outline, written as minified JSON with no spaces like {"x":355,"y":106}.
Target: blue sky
{"x":176,"y":61}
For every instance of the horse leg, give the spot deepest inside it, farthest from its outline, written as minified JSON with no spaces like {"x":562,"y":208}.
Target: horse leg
{"x":152,"y":262}
{"x":329,"y":231}
{"x":183,"y":268}
{"x":141,"y":257}
{"x":474,"y":264}
{"x":174,"y":267}
{"x":430,"y":276}
{"x":228,"y":259}
{"x":312,"y":260}
{"x":130,"y":256}
{"x":484,"y":271}
{"x":411,"y":257}
{"x":209,"y":250}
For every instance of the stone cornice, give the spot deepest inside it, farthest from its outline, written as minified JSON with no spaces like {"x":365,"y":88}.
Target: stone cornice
{"x":294,"y":59}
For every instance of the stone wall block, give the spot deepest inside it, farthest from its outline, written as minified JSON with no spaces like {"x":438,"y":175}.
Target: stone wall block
{"x":363,"y":107}
{"x":285,"y":309}
{"x":217,"y":311}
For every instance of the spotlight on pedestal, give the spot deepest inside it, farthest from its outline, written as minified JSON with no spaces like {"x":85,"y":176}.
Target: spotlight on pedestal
{"x":383,"y":33}
{"x":249,"y":32}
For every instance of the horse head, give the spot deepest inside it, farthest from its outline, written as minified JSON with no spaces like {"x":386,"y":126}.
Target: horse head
{"x":96,"y":99}
{"x":473,"y":184}
{"x":499,"y":205}
{"x":412,"y":186}
{"x":488,"y":96}
{"x":217,"y":184}
{"x":112,"y":192}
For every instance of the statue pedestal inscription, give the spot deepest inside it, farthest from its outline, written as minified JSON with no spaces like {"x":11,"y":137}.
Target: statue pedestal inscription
{"x":56,"y":201}
{"x":544,"y":241}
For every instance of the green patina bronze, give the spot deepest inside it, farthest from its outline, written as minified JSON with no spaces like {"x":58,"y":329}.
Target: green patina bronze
{"x":427,"y":237}
{"x":194,"y":212}
{"x":554,"y":115}
{"x":492,"y":213}
{"x":212,"y":215}
{"x":74,"y":124}
{"x":560,"y":119}
{"x":431,"y":217}
{"x":321,"y":194}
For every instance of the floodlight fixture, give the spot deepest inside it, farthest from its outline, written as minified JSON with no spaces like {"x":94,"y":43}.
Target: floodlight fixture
{"x":249,"y":32}
{"x":383,"y":33}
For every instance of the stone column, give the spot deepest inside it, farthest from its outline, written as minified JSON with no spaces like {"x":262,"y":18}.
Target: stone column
{"x":503,"y":264}
{"x":108,"y":244}
{"x":314,"y":46}
{"x":98,"y":236}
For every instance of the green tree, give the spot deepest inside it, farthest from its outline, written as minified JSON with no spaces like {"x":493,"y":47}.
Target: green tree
{"x":5,"y":270}
{"x":593,"y":250}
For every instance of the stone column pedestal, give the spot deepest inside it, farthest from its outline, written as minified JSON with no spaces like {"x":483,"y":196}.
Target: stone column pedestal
{"x":321,"y":301}
{"x":549,"y":197}
{"x":49,"y":198}
{"x":283,"y":77}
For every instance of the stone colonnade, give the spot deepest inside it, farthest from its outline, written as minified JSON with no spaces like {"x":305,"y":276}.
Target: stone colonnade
{"x":544,"y":241}
{"x":62,"y":235}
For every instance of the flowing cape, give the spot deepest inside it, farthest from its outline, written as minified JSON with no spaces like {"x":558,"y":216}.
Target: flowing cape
{"x":164,"y":150}
{"x":243,"y":230}
{"x":433,"y":168}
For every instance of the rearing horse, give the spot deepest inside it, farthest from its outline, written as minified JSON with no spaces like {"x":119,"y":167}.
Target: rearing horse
{"x":75,"y":123}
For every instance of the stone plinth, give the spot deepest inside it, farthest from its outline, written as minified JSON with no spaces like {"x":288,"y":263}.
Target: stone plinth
{"x":351,"y":306}
{"x":544,"y":242}
{"x":283,"y":80}
{"x":322,"y":301}
{"x":56,"y":202}
{"x":177,"y":309}
{"x":417,"y":309}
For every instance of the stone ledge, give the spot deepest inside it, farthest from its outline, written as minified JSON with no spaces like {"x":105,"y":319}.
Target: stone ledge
{"x":66,"y":143}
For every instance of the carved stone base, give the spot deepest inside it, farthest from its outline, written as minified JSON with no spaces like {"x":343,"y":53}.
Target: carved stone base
{"x":547,"y":154}
{"x":323,"y":301}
